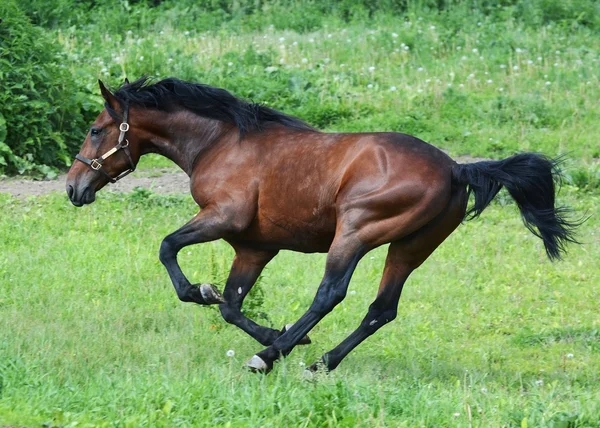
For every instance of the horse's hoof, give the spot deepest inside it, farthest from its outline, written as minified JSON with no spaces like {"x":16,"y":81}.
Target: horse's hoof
{"x":257,"y":365}
{"x":319,"y":366}
{"x":304,"y":341}
{"x":211,"y":294}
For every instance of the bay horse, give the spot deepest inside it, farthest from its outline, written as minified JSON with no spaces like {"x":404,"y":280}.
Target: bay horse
{"x":266,"y":181}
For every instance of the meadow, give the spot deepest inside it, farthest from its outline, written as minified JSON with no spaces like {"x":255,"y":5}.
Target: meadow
{"x":489,"y":333}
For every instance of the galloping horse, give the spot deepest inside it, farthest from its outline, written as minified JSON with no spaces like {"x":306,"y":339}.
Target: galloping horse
{"x":266,"y":181}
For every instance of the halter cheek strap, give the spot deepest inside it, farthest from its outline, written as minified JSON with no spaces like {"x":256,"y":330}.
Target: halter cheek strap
{"x":122,"y":144}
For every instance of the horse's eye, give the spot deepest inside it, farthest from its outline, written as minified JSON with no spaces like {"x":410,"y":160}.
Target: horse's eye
{"x":94,"y":131}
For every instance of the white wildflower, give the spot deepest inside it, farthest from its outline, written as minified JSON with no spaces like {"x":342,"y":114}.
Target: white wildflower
{"x":392,"y":88}
{"x":230,"y":353}
{"x":371,"y":69}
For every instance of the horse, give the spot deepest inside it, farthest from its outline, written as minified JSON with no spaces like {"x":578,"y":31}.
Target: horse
{"x":266,"y":181}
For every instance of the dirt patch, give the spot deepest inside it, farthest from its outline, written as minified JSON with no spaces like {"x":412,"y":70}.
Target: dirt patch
{"x":157,"y":180}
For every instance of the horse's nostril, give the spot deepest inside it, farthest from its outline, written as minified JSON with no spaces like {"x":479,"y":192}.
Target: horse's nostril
{"x":70,"y":191}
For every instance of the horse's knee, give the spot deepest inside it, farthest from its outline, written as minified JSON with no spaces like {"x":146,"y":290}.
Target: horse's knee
{"x":167,"y":250}
{"x":327,"y":298}
{"x":229,"y":313}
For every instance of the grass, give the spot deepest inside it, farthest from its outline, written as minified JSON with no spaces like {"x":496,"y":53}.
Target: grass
{"x":473,"y":84}
{"x":489,"y":333}
{"x":91,"y":332}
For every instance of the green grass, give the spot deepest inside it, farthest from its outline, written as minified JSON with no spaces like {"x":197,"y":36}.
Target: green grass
{"x":489,"y":333}
{"x":470,"y":83}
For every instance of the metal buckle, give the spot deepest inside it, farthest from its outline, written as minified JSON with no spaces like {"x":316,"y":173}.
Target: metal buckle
{"x":124,"y":127}
{"x":95,"y":165}
{"x":124,"y":146}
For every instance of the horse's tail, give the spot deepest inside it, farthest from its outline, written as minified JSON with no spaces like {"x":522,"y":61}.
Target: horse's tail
{"x":529,"y":178}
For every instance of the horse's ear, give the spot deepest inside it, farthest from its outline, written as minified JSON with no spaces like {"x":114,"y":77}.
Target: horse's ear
{"x":108,"y":96}
{"x":126,"y":81}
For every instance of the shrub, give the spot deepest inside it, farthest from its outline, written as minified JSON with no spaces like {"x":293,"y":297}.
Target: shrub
{"x":41,"y":120}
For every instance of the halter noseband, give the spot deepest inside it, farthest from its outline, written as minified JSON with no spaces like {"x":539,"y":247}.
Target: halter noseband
{"x":122,"y":144}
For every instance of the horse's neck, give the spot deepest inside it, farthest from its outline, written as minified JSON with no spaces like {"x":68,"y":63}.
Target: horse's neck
{"x":183,"y":137}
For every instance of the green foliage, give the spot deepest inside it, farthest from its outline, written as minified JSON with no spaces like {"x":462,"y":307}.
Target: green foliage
{"x":42,"y":108}
{"x":477,"y":77}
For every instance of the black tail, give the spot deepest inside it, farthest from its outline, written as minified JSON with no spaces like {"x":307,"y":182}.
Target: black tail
{"x":530,"y":179}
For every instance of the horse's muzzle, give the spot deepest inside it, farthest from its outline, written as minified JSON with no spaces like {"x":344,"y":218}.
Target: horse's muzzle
{"x":79,"y":198}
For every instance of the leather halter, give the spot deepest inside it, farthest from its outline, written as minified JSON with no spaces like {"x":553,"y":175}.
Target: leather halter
{"x":122,"y":144}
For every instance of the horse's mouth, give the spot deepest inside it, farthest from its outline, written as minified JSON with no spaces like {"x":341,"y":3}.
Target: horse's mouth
{"x":87,"y":197}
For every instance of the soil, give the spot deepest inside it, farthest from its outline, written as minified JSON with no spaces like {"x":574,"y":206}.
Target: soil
{"x":157,"y":180}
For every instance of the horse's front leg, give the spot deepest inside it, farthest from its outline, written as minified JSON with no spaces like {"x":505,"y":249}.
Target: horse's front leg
{"x":245,"y":270}
{"x":208,"y":225}
{"x":343,"y":256}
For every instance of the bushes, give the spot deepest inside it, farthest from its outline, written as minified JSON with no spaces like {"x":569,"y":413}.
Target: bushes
{"x":41,"y":118}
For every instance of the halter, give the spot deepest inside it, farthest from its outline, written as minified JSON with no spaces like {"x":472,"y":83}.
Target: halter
{"x":122,"y":144}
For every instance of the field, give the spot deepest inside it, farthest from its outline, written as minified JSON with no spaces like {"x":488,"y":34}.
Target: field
{"x":489,"y":333}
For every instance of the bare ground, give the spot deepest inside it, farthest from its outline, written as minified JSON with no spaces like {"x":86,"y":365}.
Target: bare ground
{"x":157,"y":180}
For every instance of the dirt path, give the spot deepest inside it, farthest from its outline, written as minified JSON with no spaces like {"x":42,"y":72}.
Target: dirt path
{"x":157,"y":180}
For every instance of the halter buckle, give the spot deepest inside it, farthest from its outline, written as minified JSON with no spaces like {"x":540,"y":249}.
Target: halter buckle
{"x":124,"y":127}
{"x":95,"y":165}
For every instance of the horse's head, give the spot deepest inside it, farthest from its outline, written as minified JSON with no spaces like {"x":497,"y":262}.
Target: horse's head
{"x":106,"y":154}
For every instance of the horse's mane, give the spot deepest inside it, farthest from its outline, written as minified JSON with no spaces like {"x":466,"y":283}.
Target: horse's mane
{"x":204,"y":100}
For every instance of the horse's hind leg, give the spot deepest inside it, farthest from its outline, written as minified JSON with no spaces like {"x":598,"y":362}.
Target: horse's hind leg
{"x":381,"y":311}
{"x":403,"y":257}
{"x":245,"y":270}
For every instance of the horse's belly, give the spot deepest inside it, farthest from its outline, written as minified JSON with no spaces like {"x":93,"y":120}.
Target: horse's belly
{"x":278,"y":232}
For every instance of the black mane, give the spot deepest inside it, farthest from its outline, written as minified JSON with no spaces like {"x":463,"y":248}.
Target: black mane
{"x":204,"y":100}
